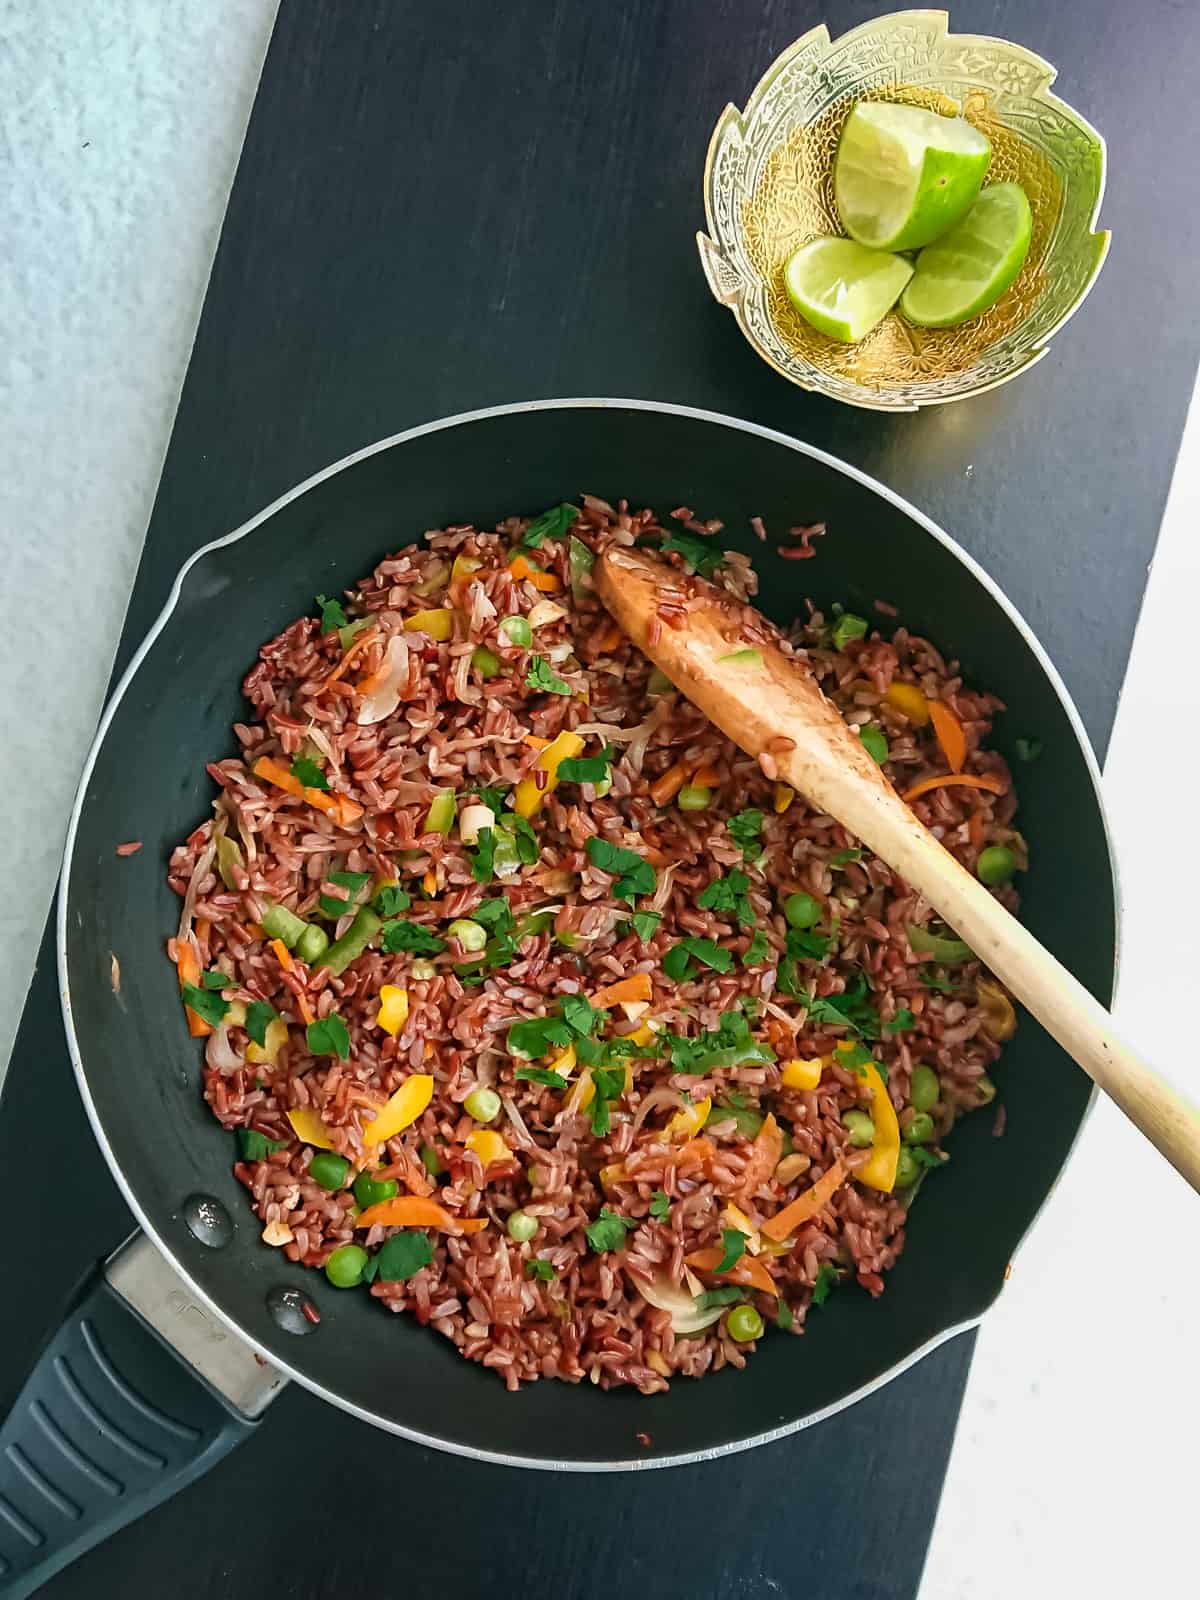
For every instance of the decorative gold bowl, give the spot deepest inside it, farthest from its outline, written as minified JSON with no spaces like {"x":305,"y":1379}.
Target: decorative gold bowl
{"x":768,"y":187}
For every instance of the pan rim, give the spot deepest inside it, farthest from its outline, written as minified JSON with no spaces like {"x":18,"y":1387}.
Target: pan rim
{"x":460,"y":419}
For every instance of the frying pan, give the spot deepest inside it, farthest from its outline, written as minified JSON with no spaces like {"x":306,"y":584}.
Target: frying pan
{"x":173,"y":1352}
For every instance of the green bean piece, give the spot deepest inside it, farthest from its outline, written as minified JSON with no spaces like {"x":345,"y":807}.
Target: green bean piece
{"x":860,"y":1128}
{"x":353,"y":942}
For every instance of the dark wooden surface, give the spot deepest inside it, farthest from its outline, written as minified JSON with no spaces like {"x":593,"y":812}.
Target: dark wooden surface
{"x":446,"y":206}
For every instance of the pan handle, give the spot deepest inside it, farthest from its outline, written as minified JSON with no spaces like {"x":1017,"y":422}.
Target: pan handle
{"x":139,"y":1392}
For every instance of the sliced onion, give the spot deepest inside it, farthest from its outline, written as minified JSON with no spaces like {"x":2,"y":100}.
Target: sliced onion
{"x":200,"y":871}
{"x":519,"y":1126}
{"x":219,"y":1053}
{"x":472,"y":819}
{"x":662,"y":1096}
{"x":666,"y":1296}
{"x":546,"y":611}
{"x":384,"y":694}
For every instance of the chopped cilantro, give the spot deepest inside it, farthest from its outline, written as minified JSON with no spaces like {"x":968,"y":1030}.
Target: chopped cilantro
{"x":336,"y":906}
{"x":660,"y":1205}
{"x":840,"y":857}
{"x":579,"y":1014}
{"x":608,"y":1231}
{"x":729,"y":1045}
{"x":391,"y":900}
{"x":492,"y":798}
{"x":411,"y":938}
{"x":532,"y":1039}
{"x":216,"y":979}
{"x":856,"y":1059}
{"x":929,"y":976}
{"x":494,"y":915}
{"x":783,"y":1315}
{"x":255,"y":1146}
{"x":926,"y":1158}
{"x":610,"y":1085}
{"x":902,"y":1020}
{"x":552,"y":524}
{"x":542,"y":1075}
{"x":633,"y":875}
{"x":307,"y":772}
{"x":484,"y":857}
{"x":757,"y":951}
{"x":541,"y":1270}
{"x":826,"y":1280}
{"x":645,"y":924}
{"x":209,"y":1007}
{"x":403,"y":1255}
{"x":849,"y":1010}
{"x":259,"y":1017}
{"x":745,"y":829}
{"x":677,"y":963}
{"x":733,"y":1244}
{"x":329,"y":1036}
{"x":332,"y":614}
{"x":727,"y":896}
{"x":525,"y":838}
{"x":542,"y":676}
{"x":698,"y":554}
{"x":586,"y":769}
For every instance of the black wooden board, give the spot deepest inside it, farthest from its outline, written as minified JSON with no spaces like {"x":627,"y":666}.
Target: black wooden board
{"x":444,"y":207}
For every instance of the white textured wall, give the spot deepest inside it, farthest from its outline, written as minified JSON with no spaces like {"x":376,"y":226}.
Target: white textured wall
{"x":120,"y":127}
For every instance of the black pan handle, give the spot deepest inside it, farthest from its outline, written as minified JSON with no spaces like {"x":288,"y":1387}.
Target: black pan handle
{"x":139,"y":1392}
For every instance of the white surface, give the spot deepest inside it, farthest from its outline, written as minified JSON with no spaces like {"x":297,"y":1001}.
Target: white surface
{"x":120,"y":127}
{"x":1065,"y":1477}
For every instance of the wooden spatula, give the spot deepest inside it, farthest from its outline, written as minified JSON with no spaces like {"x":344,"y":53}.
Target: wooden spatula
{"x":773,"y":707}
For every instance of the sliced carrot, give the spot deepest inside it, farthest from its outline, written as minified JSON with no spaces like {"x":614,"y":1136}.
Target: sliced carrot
{"x":519,"y":567}
{"x":765,"y":1155}
{"x":635,"y":987}
{"x":969,"y":780}
{"x":187,"y":964}
{"x":429,"y":883}
{"x":307,"y":1014}
{"x":282,"y":954}
{"x":414,"y":1211}
{"x":975,"y":830}
{"x":950,"y":734}
{"x":806,"y":1205}
{"x":668,"y":786}
{"x":351,"y":655}
{"x":340,"y":807}
{"x":534,"y":743}
{"x":747,"y":1269}
{"x":609,"y":639}
{"x":546,"y":582}
{"x":706,"y":776}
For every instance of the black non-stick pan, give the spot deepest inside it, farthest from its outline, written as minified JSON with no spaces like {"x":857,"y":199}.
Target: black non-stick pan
{"x":114,"y":1418}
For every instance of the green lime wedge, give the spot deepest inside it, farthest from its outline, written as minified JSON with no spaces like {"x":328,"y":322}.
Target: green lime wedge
{"x":902,"y":176}
{"x":843,"y":288}
{"x":969,"y":268}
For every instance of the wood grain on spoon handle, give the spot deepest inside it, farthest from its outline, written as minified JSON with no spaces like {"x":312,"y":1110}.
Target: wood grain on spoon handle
{"x":761,"y":707}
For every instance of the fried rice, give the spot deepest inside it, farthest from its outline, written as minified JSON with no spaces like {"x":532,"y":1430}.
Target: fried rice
{"x":612,"y":1221}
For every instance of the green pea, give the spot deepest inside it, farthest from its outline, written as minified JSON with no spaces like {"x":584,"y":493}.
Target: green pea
{"x":346,"y":1266}
{"x":422,"y":970}
{"x":431,"y":1161}
{"x":907,"y":1168}
{"x":486,"y":662}
{"x":743,"y":1324}
{"x":517,"y":631}
{"x":874,"y":743}
{"x":802,"y":911}
{"x":996,"y":865}
{"x":369,"y":1191}
{"x":522,"y":1227}
{"x":926,"y":1088}
{"x":920,"y":1129}
{"x":693,"y":797}
{"x":848,"y":627}
{"x":328,"y":1169}
{"x":860,"y":1128}
{"x":482,"y":1104}
{"x":471,"y":935}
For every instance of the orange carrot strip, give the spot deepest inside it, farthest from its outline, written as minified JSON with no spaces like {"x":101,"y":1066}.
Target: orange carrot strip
{"x":519,"y":567}
{"x":609,"y":639}
{"x":534,"y":743}
{"x":636,"y":987}
{"x":747,"y":1269}
{"x":950,"y":734}
{"x":669,"y":785}
{"x":546,"y":582}
{"x":806,"y":1205}
{"x":355,"y":650}
{"x":340,"y":807}
{"x":414,"y":1211}
{"x":975,"y":830}
{"x":307,"y":1014}
{"x":707,"y":777}
{"x":765,"y":1155}
{"x":187,"y":964}
{"x":969,"y":780}
{"x":282,"y":954}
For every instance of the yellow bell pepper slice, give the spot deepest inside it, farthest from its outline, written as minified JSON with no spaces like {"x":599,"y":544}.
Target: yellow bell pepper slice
{"x":308,"y":1126}
{"x":587,"y":1090}
{"x":641,"y":1036}
{"x":687,"y":1124}
{"x":879,"y":1170}
{"x":528,"y":800}
{"x":462,"y":569}
{"x":274,"y":1040}
{"x":403,"y":1109}
{"x":909,"y":700}
{"x":393,"y":1009}
{"x":803,"y":1074}
{"x":784,"y":795}
{"x":438,"y":624}
{"x":565,"y":1064}
{"x":488,"y":1145}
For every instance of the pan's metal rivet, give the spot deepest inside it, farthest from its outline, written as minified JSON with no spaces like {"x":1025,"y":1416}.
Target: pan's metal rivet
{"x":293,"y":1311}
{"x":208,"y":1220}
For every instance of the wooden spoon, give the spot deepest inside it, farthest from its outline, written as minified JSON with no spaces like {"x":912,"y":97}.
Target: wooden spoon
{"x":773,"y":708}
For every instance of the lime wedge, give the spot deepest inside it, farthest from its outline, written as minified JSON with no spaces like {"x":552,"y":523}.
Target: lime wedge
{"x":902,"y":175}
{"x":969,"y":268}
{"x":843,"y":288}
